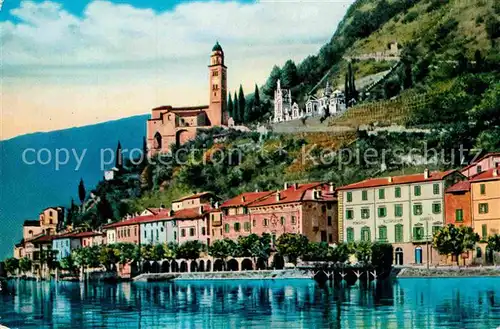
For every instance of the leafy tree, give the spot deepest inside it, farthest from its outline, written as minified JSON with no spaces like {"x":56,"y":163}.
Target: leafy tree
{"x":341,"y":253}
{"x":11,"y":265}
{"x":127,"y":252}
{"x":81,"y":191}
{"x":68,"y":264}
{"x":104,"y":210}
{"x":292,"y":245}
{"x":494,"y":243}
{"x":382,"y":256}
{"x":243,"y":113}
{"x":190,"y":250}
{"x":317,"y":251}
{"x":25,"y":265}
{"x":108,"y":257}
{"x":222,"y":249}
{"x":230,"y":106}
{"x":363,"y":251}
{"x":453,"y":240}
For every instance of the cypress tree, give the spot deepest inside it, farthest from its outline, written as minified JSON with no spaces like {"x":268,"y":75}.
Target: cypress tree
{"x":81,"y":191}
{"x":346,"y":90}
{"x":119,"y":158}
{"x":242,"y":105}
{"x":230,"y":108}
{"x":256,"y":103}
{"x":236,"y":109}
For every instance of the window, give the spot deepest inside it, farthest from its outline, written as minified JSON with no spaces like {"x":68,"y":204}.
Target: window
{"x":435,"y":228}
{"x":350,"y":234}
{"x":398,"y":210}
{"x":479,"y":169}
{"x":135,"y":231}
{"x":398,"y":230}
{"x":484,"y":231}
{"x":397,"y":192}
{"x":329,"y":220}
{"x":293,"y":219}
{"x":213,"y":217}
{"x":381,"y":194}
{"x":349,"y":214}
{"x":418,"y":233}
{"x":191,"y":232}
{"x":483,"y":208}
{"x":382,"y":233}
{"x":417,"y":191}
{"x":323,"y":236}
{"x":236,"y":227}
{"x":435,"y":189}
{"x":382,"y":211}
{"x":365,"y":213}
{"x":483,"y":189}
{"x":459,"y":215}
{"x":330,"y":238}
{"x":266,"y":222}
{"x":246,"y":226}
{"x":364,"y":195}
{"x":436,"y":208}
{"x":329,"y":206}
{"x":479,"y":252}
{"x":203,"y":231}
{"x":417,"y":209}
{"x":282,"y":220}
{"x":175,"y":235}
{"x":254,"y":222}
{"x":226,"y":228}
{"x":323,"y":209}
{"x":365,"y":234}
{"x":183,"y":233}
{"x":157,"y":235}
{"x":128,"y":232}
{"x":349,"y":197}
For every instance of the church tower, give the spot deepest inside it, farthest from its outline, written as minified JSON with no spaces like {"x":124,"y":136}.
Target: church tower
{"x":217,"y":112}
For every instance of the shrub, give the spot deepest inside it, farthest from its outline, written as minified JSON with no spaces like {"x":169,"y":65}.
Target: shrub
{"x":410,"y":17}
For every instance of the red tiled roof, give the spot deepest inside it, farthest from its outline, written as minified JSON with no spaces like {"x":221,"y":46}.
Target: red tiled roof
{"x":43,"y":239}
{"x":191,"y":213}
{"x":397,"y":180}
{"x":293,"y":194}
{"x":77,"y":235}
{"x":245,"y":199}
{"x":462,"y":186}
{"x":487,"y":175}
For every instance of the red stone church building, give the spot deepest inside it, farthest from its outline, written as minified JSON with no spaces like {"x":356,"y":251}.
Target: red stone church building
{"x":176,"y":125}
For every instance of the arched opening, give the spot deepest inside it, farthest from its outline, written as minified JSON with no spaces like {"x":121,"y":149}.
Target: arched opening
{"x":174,"y":267}
{"x":184,"y":266}
{"x":155,"y":267}
{"x":165,"y":267}
{"x":489,"y":255}
{"x":261,"y":264}
{"x":246,"y":265}
{"x":479,"y":252}
{"x":232,"y":265}
{"x":146,"y":267}
{"x":418,"y":255}
{"x":193,"y":267}
{"x":398,"y":256}
{"x":157,"y":141}
{"x":278,"y":262}
{"x":201,"y":267}
{"x":181,"y":137}
{"x":209,"y":266}
{"x":218,"y":265}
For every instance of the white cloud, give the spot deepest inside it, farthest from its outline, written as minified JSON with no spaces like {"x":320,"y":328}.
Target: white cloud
{"x":112,"y":46}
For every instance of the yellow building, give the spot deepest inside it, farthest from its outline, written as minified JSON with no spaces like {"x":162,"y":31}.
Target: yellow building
{"x":485,"y":195}
{"x":50,"y":218}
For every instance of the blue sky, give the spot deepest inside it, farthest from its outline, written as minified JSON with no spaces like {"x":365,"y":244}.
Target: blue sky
{"x":73,"y":63}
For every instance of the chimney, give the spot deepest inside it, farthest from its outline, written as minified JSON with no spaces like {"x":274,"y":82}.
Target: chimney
{"x":495,"y":172}
{"x":314,"y":194}
{"x":285,"y":186}
{"x":277,"y":195}
{"x":296,"y":185}
{"x":389,"y":179}
{"x":242,"y":198}
{"x":426,"y":173}
{"x":332,"y":188}
{"x":200,"y":211}
{"x":171,"y":213}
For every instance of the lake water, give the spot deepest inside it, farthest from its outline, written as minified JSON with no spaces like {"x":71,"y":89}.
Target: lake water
{"x":406,"y":303}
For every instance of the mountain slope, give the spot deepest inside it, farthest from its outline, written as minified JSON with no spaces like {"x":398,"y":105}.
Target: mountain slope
{"x":26,"y":189}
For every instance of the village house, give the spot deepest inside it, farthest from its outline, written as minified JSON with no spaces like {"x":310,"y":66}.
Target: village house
{"x":309,"y":209}
{"x":51,"y":218}
{"x":401,"y":210}
{"x":485,"y":196}
{"x":176,"y":125}
{"x":485,"y":163}
{"x":332,"y":102}
{"x":457,"y":202}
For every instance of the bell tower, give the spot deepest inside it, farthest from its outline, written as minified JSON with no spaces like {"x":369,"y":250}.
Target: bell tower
{"x":217,"y":87}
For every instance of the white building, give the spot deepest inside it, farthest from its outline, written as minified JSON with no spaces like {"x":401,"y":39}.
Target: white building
{"x":284,"y":109}
{"x":331,"y":103}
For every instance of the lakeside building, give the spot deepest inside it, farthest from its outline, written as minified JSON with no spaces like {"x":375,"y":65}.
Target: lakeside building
{"x":51,"y":219}
{"x":309,"y":209}
{"x":485,"y":196}
{"x":176,"y":125}
{"x":485,"y":163}
{"x":64,"y":244}
{"x":458,"y":204}
{"x":401,"y":210}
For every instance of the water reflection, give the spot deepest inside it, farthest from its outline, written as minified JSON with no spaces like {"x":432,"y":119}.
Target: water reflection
{"x":408,"y":303}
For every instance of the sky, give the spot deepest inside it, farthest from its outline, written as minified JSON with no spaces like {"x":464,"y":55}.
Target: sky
{"x":78,"y":62}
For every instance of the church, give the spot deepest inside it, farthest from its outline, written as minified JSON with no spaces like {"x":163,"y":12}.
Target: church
{"x":176,"y":125}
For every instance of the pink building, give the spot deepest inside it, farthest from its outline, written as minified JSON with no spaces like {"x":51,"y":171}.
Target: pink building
{"x":308,"y":209}
{"x":193,"y":224}
{"x":487,"y":162}
{"x":126,"y":231}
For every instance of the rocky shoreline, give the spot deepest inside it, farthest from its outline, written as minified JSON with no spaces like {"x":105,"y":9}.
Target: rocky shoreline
{"x":446,"y":272}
